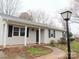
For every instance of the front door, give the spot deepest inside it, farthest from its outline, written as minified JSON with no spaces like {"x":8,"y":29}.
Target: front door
{"x":37,"y":36}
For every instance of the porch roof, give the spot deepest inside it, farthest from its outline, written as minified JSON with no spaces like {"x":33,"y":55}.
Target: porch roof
{"x":24,"y":21}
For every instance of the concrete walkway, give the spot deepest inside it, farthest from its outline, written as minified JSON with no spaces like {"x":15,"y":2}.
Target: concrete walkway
{"x":56,"y":54}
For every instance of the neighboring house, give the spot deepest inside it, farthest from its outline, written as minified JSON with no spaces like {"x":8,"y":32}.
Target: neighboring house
{"x":14,"y":30}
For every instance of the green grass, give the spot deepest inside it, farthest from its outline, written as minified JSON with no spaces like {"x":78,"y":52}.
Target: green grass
{"x":75,"y":46}
{"x":37,"y":51}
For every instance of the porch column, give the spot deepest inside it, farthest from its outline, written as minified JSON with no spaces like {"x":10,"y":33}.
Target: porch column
{"x":39,"y":36}
{"x":5,"y":34}
{"x":25,"y":40}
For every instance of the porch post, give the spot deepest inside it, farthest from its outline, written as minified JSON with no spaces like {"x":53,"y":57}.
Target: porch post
{"x":25,"y":40}
{"x":39,"y":35}
{"x":5,"y":34}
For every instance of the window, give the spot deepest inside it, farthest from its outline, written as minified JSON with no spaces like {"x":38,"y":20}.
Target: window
{"x":27,"y":32}
{"x":52,"y":32}
{"x":51,"y":35}
{"x":10,"y":27}
{"x":16,"y":31}
{"x":22,"y":31}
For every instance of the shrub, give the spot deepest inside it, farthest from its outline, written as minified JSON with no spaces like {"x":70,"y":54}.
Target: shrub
{"x":72,"y":39}
{"x":70,"y":34}
{"x":62,"y":40}
{"x":52,"y":42}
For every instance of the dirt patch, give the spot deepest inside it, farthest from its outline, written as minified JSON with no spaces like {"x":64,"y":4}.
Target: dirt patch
{"x":22,"y":51}
{"x":14,"y":50}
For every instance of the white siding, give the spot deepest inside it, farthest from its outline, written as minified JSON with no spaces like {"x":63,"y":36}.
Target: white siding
{"x":42,"y":36}
{"x":1,"y":34}
{"x":58,"y":34}
{"x":32,"y":37}
{"x":1,"y":31}
{"x":15,"y":40}
{"x":46,"y":39}
{"x":20,"y":39}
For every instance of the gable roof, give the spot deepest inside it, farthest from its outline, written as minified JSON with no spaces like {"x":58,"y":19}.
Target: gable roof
{"x":19,"y":20}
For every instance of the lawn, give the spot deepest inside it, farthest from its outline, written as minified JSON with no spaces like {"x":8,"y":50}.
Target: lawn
{"x":38,"y":51}
{"x":75,"y":46}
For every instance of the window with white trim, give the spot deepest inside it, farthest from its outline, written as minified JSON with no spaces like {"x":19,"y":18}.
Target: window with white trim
{"x":16,"y":31}
{"x":22,"y":31}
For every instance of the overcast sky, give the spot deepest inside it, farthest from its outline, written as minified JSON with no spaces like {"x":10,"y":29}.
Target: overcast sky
{"x":51,"y":7}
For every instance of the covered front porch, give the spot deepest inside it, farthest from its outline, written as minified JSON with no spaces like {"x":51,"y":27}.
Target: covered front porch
{"x":21,"y":34}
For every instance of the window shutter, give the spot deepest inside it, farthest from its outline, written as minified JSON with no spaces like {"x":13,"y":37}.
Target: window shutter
{"x":10,"y":28}
{"x":49,"y":33}
{"x":27,"y":32}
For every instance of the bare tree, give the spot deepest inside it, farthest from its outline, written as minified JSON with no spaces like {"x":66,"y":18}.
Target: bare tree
{"x":75,"y":8}
{"x":8,"y":6}
{"x":40,"y":16}
{"x":27,"y":16}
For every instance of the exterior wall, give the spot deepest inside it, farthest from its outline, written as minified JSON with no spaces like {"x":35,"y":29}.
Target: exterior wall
{"x":1,"y":31}
{"x":15,"y":40}
{"x":1,"y":34}
{"x":46,"y":36}
{"x":20,"y":39}
{"x":32,"y":36}
{"x":58,"y":35}
{"x":42,"y":36}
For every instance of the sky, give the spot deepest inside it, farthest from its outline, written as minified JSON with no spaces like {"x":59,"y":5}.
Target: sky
{"x":51,"y":7}
{"x":48,"y":6}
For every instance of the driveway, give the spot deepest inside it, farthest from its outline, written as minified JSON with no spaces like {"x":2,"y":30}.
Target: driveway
{"x":56,"y":54}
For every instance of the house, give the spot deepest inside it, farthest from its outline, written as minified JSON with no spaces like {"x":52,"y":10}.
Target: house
{"x":20,"y":31}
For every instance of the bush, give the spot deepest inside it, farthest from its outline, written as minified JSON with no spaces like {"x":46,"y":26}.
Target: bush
{"x":72,"y":39}
{"x":52,"y":42}
{"x":70,"y":34}
{"x":62,"y":40}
